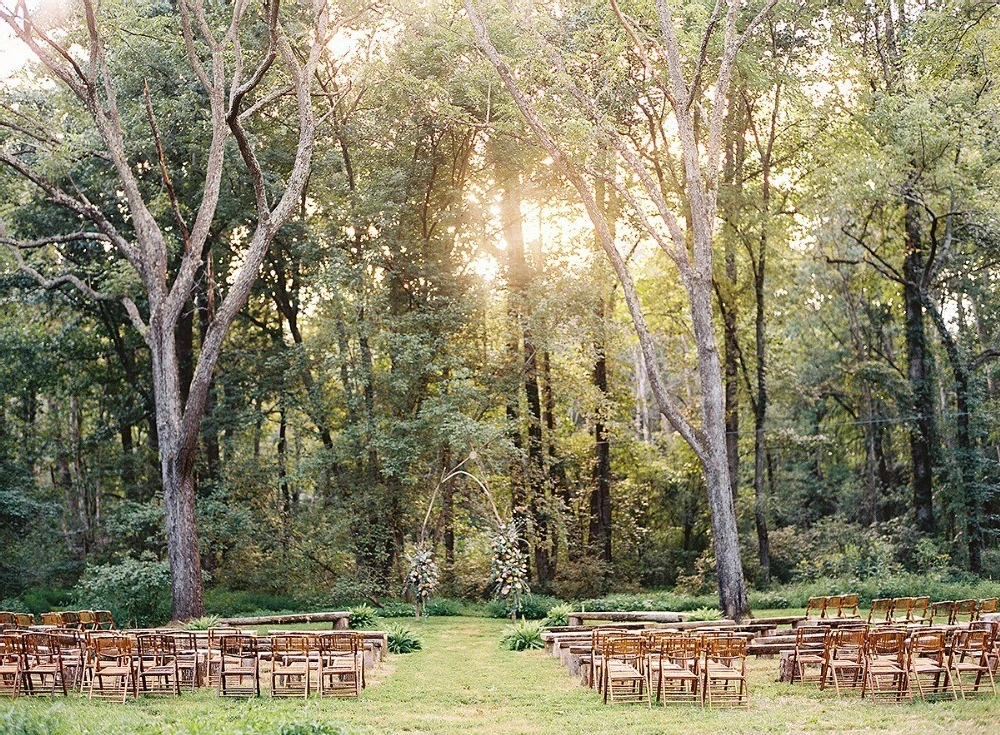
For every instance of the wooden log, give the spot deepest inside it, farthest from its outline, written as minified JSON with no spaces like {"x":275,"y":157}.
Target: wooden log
{"x":339,"y":619}
{"x":577,"y":618}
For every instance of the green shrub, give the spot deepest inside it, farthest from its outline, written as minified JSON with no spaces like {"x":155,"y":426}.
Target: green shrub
{"x":136,"y":592}
{"x":523,"y":636}
{"x":659,"y":601}
{"x":533,"y":607}
{"x":43,"y":599}
{"x":704,"y":613}
{"x":558,"y":615}
{"x":244,"y":603}
{"x":203,"y":623}
{"x":767,"y":601}
{"x":363,"y":617}
{"x":403,"y":640}
{"x":310,"y":728}
{"x":17,"y":722}
{"x":394,"y":609}
{"x":444,"y":607}
{"x":13,"y":604}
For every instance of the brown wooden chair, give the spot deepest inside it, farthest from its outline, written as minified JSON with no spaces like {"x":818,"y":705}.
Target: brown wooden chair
{"x":42,"y":671}
{"x":70,"y":619}
{"x":677,"y":670}
{"x":724,"y":681}
{"x":159,"y":672}
{"x":941,"y":612}
{"x":808,"y":653}
{"x":964,"y":609}
{"x":918,"y":612}
{"x":879,"y":611}
{"x":848,"y":606}
{"x":623,"y":679}
{"x":11,"y":660}
{"x":969,"y":662}
{"x":927,"y":664}
{"x":832,"y":606}
{"x":73,"y":650}
{"x":24,"y":620}
{"x":816,"y":607}
{"x":899,"y":614}
{"x":105,"y":621}
{"x":54,"y":619}
{"x":290,"y":659}
{"x":597,"y":638}
{"x":340,"y":671}
{"x":239,"y":666}
{"x":188,"y":659}
{"x":213,"y":659}
{"x":111,"y":668}
{"x":886,"y":678}
{"x":986,"y":607}
{"x":843,"y":658}
{"x":8,"y":620}
{"x":88,"y":620}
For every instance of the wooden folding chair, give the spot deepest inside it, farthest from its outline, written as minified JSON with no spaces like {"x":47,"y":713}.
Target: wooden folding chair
{"x":290,"y":659}
{"x":597,"y":638}
{"x":54,"y":619}
{"x":239,"y":666}
{"x":159,"y":672}
{"x":24,"y":620}
{"x":969,"y":662}
{"x":832,"y":606}
{"x":808,"y":652}
{"x":941,"y":611}
{"x":986,"y":607}
{"x":677,"y":670}
{"x":623,"y":680}
{"x":843,"y":658}
{"x":340,"y":670}
{"x":88,"y":620}
{"x":73,"y":650}
{"x":213,"y":659}
{"x":42,"y":671}
{"x":111,"y":668}
{"x":8,"y":620}
{"x":816,"y":607}
{"x":11,"y":660}
{"x":188,"y":659}
{"x":105,"y":621}
{"x":927,"y":664}
{"x":848,"y":606}
{"x":899,"y":614}
{"x":724,"y":681}
{"x":879,"y":611}
{"x":918,"y":612}
{"x":886,"y":678}
{"x":964,"y":609}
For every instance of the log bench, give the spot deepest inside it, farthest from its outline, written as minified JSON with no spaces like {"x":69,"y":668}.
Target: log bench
{"x":578,"y":618}
{"x":340,"y":620}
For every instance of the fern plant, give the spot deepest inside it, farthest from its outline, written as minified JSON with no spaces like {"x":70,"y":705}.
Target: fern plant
{"x":363,"y":616}
{"x":403,"y":640}
{"x":558,"y":615}
{"x":202,"y":623}
{"x":523,"y":636}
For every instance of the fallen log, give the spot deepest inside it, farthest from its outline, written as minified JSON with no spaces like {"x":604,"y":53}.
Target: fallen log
{"x":339,"y":619}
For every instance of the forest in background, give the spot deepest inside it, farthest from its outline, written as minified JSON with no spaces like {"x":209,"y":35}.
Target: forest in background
{"x":438,"y":298}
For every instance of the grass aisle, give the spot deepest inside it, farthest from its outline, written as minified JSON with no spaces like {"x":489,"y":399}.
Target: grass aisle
{"x":463,"y":683}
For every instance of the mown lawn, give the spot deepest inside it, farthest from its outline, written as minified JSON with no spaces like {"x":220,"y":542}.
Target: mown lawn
{"x":463,"y":683}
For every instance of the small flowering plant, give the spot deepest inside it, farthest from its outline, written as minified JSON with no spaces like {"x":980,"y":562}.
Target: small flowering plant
{"x":423,"y":577}
{"x":509,"y":570}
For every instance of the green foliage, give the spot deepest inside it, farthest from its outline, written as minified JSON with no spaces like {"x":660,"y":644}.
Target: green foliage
{"x":533,"y":607}
{"x":523,"y":636}
{"x":41,"y":600}
{"x":557,"y":615}
{"x":238,"y":603}
{"x":15,"y":722}
{"x":704,"y":613}
{"x":13,"y":604}
{"x":403,"y":640}
{"x":310,"y":728}
{"x":767,"y":601}
{"x":393,"y":609}
{"x":202,"y":623}
{"x":663,"y":601}
{"x":445,"y":607}
{"x":363,"y":617}
{"x":136,"y":592}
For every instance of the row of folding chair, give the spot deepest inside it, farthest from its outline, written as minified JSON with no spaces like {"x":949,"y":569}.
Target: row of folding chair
{"x":921,"y":610}
{"x":703,"y":668}
{"x":832,"y":606}
{"x":889,"y":663}
{"x":115,"y":665}
{"x":79,"y":619}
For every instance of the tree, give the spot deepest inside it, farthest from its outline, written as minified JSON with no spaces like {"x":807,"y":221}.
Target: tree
{"x":695,"y":89}
{"x":160,"y":245}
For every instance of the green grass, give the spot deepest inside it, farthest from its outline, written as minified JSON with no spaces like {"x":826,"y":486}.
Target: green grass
{"x":463,"y":683}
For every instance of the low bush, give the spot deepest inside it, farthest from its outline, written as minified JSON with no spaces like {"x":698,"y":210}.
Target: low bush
{"x":444,"y":607}
{"x":137,"y":592}
{"x":403,"y":640}
{"x":704,"y":613}
{"x":241,"y":603}
{"x":558,"y":615}
{"x":533,"y":607}
{"x":650,"y":601}
{"x":394,"y":609}
{"x":523,"y":636}
{"x":203,"y":623}
{"x":767,"y":601}
{"x":363,"y":617}
{"x":310,"y":728}
{"x":41,"y":600}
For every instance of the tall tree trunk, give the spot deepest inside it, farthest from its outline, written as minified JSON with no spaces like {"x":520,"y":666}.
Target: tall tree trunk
{"x":922,"y":429}
{"x":600,"y":495}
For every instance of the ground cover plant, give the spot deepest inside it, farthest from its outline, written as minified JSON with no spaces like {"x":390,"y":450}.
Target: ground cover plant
{"x":462,"y":682}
